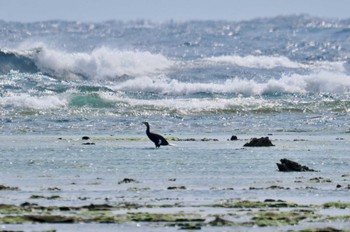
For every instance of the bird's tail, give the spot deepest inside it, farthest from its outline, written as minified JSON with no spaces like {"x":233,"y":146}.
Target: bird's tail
{"x":173,"y":145}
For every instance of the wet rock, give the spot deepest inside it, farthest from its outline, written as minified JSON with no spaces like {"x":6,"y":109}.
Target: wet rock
{"x":233,"y":138}
{"x":54,"y":189}
{"x":259,"y":142}
{"x":207,"y":140}
{"x":287,"y":165}
{"x":176,"y":188}
{"x":189,"y":226}
{"x":85,"y":138}
{"x":50,"y":219}
{"x":220,"y":222}
{"x":7,"y":188}
{"x":127,"y":180}
{"x":320,"y":180}
{"x":97,"y":207}
{"x":28,"y":204}
{"x":88,"y":143}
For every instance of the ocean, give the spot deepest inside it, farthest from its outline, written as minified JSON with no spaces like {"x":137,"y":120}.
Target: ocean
{"x":197,"y":83}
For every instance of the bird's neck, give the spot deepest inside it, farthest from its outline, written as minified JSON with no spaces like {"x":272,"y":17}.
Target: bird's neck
{"x":147,"y":130}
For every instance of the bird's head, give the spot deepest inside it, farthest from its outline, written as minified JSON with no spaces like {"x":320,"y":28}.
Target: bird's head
{"x":146,"y":123}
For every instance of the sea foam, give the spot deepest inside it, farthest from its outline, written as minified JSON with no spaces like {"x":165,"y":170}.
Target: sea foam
{"x":26,"y":101}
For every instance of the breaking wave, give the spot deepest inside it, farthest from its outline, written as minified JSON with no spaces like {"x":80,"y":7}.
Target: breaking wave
{"x":100,"y":64}
{"x":319,"y":82}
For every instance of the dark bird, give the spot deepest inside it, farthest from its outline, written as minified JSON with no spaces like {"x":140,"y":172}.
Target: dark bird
{"x":157,"y":139}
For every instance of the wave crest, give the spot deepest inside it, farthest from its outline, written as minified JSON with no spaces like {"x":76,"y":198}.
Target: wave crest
{"x":101,"y":63}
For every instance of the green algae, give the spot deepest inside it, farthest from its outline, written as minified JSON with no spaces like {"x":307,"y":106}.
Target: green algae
{"x":256,"y":204}
{"x":45,"y":197}
{"x":338,"y":205}
{"x":327,"y":229}
{"x":9,"y":209}
{"x":163,"y":217}
{"x":269,"y":218}
{"x":255,"y":213}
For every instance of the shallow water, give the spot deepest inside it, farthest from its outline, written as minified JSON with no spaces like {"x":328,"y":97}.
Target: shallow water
{"x":211,"y":172}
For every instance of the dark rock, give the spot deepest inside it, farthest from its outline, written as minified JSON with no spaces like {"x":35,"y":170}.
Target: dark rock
{"x":259,"y":142}
{"x":85,"y":138}
{"x":8,"y":188}
{"x":233,"y":137}
{"x":176,"y":188}
{"x":28,"y":204}
{"x":97,"y":207}
{"x":287,"y":165}
{"x":88,"y":143}
{"x":127,"y":180}
{"x":220,"y":222}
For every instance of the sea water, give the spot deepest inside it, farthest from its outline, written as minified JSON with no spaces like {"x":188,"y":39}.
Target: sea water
{"x":198,"y":82}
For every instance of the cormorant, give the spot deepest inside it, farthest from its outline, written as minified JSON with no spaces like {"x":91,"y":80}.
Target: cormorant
{"x":157,"y":139}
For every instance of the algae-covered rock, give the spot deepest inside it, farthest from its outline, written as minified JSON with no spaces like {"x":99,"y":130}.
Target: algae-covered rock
{"x":221,"y":222}
{"x":127,"y":181}
{"x":338,"y":205}
{"x":281,"y":218}
{"x":51,"y":219}
{"x":8,"y":188}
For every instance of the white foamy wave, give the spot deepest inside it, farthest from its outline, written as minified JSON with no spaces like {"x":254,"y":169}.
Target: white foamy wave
{"x":250,"y":61}
{"x":319,"y":82}
{"x":192,"y":105}
{"x":99,"y":64}
{"x":33,"y":102}
{"x":270,"y":62}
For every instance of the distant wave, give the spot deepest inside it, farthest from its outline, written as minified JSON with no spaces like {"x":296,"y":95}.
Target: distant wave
{"x":270,"y":62}
{"x":317,"y":82}
{"x":251,"y":61}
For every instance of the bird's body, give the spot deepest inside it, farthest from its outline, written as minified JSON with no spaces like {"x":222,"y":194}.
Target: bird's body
{"x":157,"y":139}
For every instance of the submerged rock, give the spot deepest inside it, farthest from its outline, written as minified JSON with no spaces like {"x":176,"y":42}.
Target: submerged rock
{"x":259,"y":142}
{"x":287,"y":165}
